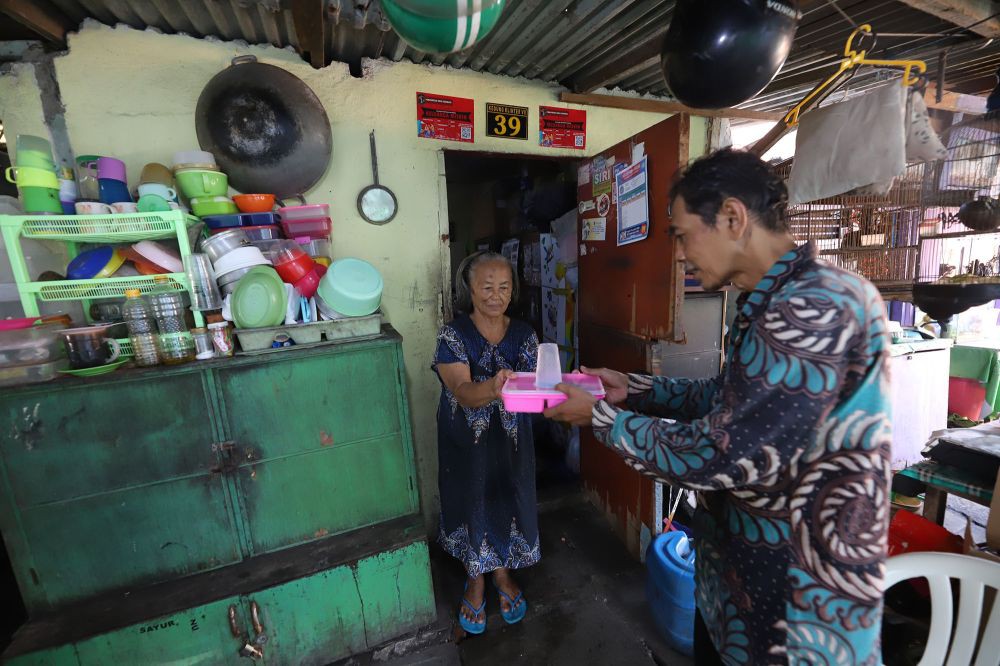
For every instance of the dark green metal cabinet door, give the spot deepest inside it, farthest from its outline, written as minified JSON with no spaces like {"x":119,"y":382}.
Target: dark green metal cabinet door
{"x":64,"y":655}
{"x":322,"y":442}
{"x":108,"y":485}
{"x":197,"y":636}
{"x":321,"y":618}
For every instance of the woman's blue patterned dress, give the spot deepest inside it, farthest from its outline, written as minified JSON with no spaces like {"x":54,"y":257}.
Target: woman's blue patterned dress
{"x":486,"y":456}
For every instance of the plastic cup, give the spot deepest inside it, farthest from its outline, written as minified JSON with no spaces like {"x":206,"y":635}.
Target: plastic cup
{"x":549,"y":370}
{"x":204,"y":289}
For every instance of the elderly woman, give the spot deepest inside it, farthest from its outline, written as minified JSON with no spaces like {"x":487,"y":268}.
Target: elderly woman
{"x":486,"y":457}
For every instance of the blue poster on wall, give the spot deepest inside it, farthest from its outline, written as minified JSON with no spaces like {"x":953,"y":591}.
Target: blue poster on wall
{"x":633,"y":203}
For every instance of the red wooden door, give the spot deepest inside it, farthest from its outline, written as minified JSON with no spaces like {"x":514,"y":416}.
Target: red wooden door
{"x":629,"y":297}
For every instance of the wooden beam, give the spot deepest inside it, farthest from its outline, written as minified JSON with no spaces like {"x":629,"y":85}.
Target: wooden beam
{"x":954,"y":102}
{"x":41,"y":19}
{"x":309,"y":17}
{"x":963,"y":13}
{"x":634,"y":61}
{"x":662,"y":106}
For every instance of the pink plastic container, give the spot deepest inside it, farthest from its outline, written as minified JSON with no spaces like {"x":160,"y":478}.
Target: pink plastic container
{"x":304,"y":212}
{"x":520,"y":395}
{"x":307,"y":228}
{"x":966,"y":397}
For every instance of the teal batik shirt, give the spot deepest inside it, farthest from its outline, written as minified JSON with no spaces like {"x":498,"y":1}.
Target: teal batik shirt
{"x":789,"y":450}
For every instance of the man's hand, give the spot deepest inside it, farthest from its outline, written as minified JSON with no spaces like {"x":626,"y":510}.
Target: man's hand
{"x":577,"y":408}
{"x":615,"y":383}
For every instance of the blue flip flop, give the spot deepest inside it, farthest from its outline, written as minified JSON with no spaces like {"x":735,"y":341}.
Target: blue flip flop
{"x":467,"y":624}
{"x":516,"y":612}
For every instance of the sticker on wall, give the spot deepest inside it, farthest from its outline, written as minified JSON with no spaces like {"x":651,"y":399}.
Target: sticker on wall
{"x":594,"y":229}
{"x":614,"y":190}
{"x":586,"y":205}
{"x":445,"y":118}
{"x":603,"y":204}
{"x":583,"y":175}
{"x":562,"y":128}
{"x":633,"y":203}
{"x":603,"y":178}
{"x":506,"y":122}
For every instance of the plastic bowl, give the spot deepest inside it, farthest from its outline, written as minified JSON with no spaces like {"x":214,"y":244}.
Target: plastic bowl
{"x":254,"y":203}
{"x":98,"y":262}
{"x":308,"y":284}
{"x":241,"y":257}
{"x":209,"y":206}
{"x":294,"y":268}
{"x":201,"y":183}
{"x":183,"y":157}
{"x":352,"y":287}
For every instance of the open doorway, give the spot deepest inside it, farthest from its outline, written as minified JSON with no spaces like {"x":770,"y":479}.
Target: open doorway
{"x":525,"y":208}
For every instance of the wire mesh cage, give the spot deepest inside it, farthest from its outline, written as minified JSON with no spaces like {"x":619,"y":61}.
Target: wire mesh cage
{"x":870,"y":232}
{"x":913,"y":232}
{"x":951,"y":251}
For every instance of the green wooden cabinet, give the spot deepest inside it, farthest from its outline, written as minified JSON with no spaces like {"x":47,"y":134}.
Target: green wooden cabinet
{"x":197,"y":488}
{"x":310,"y":620}
{"x":346,"y":465}
{"x":189,"y":469}
{"x":108,"y":484}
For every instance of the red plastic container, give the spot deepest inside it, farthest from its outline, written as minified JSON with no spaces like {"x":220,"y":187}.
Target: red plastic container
{"x":910,"y":533}
{"x":966,"y":397}
{"x":310,"y":227}
{"x":293,"y":266}
{"x":308,"y":284}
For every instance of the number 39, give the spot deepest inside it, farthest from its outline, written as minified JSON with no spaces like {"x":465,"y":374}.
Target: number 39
{"x":511,"y":125}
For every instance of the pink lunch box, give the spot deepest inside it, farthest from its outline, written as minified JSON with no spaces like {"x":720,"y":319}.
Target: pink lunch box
{"x":520,"y":395}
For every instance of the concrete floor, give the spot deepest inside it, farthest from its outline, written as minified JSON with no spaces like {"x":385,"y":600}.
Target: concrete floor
{"x":587,"y":606}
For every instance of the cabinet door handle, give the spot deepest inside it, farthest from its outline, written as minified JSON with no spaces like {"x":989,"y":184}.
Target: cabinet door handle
{"x":260,"y":639}
{"x":234,"y":627}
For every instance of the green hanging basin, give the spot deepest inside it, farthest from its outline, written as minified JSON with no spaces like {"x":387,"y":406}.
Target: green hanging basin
{"x":442,"y":27}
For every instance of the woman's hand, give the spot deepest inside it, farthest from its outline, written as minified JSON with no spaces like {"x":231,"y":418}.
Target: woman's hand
{"x":499,"y":380}
{"x":615,"y":383}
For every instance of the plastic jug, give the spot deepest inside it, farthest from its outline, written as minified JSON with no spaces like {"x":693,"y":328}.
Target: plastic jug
{"x":670,"y":588}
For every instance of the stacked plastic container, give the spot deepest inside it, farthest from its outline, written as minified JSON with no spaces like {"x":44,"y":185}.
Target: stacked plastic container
{"x":34,"y":172}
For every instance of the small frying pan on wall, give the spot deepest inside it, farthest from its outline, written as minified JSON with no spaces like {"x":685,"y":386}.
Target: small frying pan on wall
{"x":267,"y":129}
{"x":376,"y":203}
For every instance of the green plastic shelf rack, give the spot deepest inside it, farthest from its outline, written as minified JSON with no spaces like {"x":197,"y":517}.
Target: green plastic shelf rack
{"x":105,"y":229}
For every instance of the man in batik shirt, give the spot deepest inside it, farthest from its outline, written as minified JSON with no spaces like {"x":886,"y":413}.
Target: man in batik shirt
{"x":788,"y":448}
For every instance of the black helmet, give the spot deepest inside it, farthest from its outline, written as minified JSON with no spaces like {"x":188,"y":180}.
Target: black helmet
{"x":720,"y":53}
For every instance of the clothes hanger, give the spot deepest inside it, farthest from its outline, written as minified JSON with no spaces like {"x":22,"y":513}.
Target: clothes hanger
{"x":853,"y":59}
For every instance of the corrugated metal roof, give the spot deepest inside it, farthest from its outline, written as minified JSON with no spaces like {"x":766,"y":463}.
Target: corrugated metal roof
{"x":568,"y":41}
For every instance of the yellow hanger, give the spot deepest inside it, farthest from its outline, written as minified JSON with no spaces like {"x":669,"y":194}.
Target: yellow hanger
{"x":853,"y":59}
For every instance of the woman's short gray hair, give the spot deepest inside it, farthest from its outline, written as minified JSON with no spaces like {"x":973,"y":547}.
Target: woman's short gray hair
{"x":463,"y":279}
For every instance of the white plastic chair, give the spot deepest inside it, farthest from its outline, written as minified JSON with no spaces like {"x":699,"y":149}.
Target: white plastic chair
{"x":974,"y":574}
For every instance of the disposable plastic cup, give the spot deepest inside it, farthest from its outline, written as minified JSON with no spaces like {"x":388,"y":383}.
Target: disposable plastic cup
{"x":549,"y":370}
{"x":204,"y":289}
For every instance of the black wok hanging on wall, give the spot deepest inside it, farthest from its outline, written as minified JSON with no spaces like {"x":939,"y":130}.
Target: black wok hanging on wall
{"x":267,"y":129}
{"x":720,"y":53}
